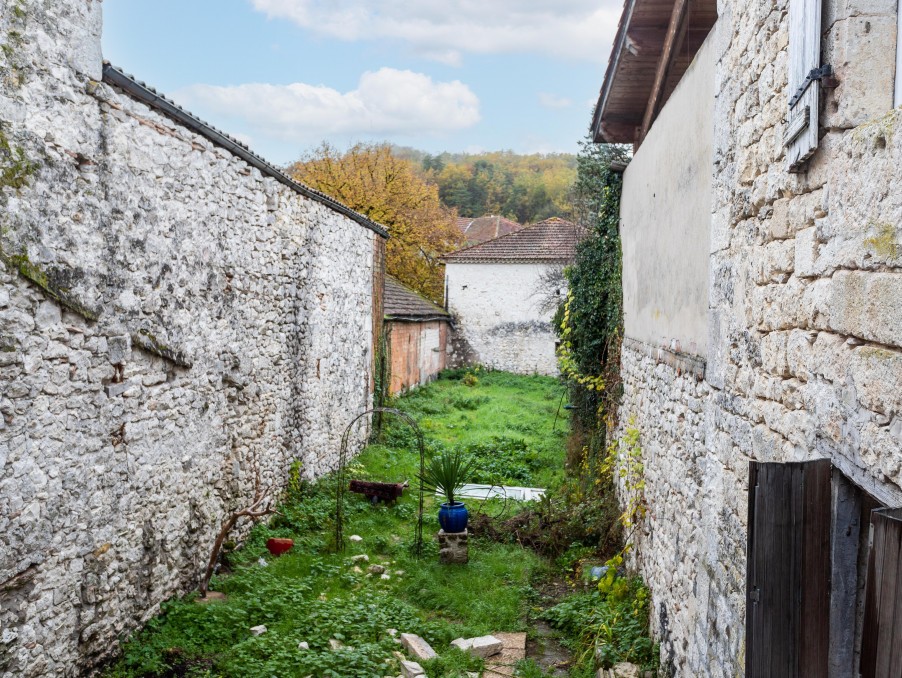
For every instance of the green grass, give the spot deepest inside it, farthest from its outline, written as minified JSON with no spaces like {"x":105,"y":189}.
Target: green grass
{"x":313,"y":595}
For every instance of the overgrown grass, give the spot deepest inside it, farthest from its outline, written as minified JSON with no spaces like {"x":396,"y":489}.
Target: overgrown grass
{"x":313,"y":595}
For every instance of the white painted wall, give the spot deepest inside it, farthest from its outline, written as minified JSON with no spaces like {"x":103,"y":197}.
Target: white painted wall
{"x":496,"y":306}
{"x":666,"y":218}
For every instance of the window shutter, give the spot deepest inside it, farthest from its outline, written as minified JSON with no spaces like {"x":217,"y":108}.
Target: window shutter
{"x":804,"y":83}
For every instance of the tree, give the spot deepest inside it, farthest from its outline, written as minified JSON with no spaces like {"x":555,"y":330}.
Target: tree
{"x":372,"y":180}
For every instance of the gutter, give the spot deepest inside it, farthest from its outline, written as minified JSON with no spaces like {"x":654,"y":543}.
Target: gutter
{"x":149,"y":96}
{"x":417,"y":318}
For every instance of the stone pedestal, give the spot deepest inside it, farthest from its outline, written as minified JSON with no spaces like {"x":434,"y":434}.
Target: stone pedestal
{"x":453,"y":547}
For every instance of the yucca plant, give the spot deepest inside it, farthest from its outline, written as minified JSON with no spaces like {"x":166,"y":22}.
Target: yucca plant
{"x":447,"y":472}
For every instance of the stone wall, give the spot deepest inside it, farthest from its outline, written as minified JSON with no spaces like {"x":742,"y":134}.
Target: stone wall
{"x":805,"y":324}
{"x":496,"y":312}
{"x":173,"y":324}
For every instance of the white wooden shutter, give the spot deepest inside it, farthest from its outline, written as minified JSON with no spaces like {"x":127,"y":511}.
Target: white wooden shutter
{"x":804,"y":57}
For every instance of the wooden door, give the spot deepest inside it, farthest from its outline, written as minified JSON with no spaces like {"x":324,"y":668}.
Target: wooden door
{"x":881,"y":647}
{"x":788,"y":570}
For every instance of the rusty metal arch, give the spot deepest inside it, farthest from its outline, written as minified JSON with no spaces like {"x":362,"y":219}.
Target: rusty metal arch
{"x":342,"y":475}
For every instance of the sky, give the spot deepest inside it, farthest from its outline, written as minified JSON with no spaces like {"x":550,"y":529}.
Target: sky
{"x":438,"y":75}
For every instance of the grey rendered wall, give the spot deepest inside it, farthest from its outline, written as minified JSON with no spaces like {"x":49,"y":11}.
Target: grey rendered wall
{"x":666,"y":219}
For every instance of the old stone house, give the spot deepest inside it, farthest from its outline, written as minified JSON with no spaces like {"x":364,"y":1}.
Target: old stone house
{"x":494,"y":290}
{"x":417,"y":337}
{"x":179,"y":321}
{"x":762,"y":358}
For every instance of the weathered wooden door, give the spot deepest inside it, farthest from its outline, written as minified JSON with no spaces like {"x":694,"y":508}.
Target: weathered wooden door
{"x":881,"y":647}
{"x":788,"y":575}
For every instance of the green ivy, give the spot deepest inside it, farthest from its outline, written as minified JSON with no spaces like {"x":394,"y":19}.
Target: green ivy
{"x":590,"y":323}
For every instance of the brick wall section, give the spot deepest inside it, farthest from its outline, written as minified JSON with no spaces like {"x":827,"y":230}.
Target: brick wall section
{"x":805,"y":348}
{"x":233,"y":330}
{"x":419,"y":351}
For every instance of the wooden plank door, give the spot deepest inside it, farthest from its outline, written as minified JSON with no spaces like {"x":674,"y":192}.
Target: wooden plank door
{"x":788,"y":570}
{"x":881,"y":647}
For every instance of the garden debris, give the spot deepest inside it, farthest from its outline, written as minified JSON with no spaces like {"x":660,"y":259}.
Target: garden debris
{"x":417,"y":647}
{"x":472,"y":491}
{"x":376,"y":569}
{"x":358,"y":558}
{"x":335,"y":644}
{"x":621,"y":670}
{"x":483,"y":646}
{"x":411,"y":669}
{"x":258,"y":630}
{"x":262,"y":562}
{"x":356,"y":570}
{"x":355,"y":537}
{"x":385,"y":577}
{"x":505,"y":663}
{"x":376,"y":491}
{"x":303,"y":645}
{"x":212,"y":597}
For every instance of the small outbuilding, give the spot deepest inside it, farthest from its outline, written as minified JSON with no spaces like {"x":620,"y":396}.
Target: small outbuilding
{"x":495,"y":289}
{"x":417,"y":335}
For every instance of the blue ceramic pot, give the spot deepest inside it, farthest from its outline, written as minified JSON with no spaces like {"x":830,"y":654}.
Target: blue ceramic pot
{"x":453,"y":517}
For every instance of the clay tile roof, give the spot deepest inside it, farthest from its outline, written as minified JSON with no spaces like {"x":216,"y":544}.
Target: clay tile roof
{"x":553,"y":240}
{"x":402,"y":303}
{"x":486,"y":228}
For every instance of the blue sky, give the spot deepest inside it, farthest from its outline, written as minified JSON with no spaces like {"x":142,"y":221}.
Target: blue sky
{"x":455,"y":75}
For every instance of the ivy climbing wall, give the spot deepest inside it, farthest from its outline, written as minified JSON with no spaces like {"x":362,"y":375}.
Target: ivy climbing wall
{"x":174,"y":324}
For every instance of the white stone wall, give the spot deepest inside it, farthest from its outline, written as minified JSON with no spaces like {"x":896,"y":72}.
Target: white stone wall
{"x":232,"y":330}
{"x":804,"y":353}
{"x":496,"y":307}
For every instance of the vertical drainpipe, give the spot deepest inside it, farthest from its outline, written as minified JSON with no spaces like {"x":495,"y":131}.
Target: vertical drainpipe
{"x":897,"y":101}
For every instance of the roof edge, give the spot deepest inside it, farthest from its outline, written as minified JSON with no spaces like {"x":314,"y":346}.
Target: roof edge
{"x":613,"y":63}
{"x":149,"y":96}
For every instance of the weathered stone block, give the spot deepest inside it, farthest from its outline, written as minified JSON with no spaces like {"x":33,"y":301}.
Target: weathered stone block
{"x":483,"y":646}
{"x":866,"y":305}
{"x":453,"y":547}
{"x":411,"y":669}
{"x":417,"y":647}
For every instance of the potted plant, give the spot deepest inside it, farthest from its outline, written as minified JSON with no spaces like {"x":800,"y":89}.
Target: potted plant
{"x":446,"y":473}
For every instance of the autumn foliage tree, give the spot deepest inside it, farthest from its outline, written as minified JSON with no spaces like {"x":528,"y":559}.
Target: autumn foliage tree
{"x":385,"y":188}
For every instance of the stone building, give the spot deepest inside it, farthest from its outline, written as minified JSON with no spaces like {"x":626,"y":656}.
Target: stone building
{"x":762,"y":359}
{"x":417,"y":337}
{"x":179,"y":321}
{"x":495,"y":289}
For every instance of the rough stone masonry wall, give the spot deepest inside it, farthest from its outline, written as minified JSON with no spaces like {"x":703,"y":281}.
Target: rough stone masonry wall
{"x":805,"y":348}
{"x":187,"y":320}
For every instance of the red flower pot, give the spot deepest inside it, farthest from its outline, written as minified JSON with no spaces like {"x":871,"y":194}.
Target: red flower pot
{"x":278,"y":546}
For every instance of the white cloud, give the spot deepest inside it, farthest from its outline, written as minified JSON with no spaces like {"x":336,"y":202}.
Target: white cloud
{"x":386,"y":103}
{"x":444,"y":29}
{"x":547,"y":100}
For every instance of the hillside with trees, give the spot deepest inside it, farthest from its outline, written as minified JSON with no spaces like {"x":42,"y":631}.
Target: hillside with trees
{"x":525,"y":188}
{"x":372,"y":180}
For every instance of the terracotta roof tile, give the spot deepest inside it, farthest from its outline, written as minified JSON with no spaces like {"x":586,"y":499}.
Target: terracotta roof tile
{"x":552,"y":240}
{"x":486,"y":228}
{"x":402,"y":303}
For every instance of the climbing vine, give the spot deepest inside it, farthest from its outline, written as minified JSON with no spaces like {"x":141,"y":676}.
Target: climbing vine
{"x":590,"y":320}
{"x":624,"y":462}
